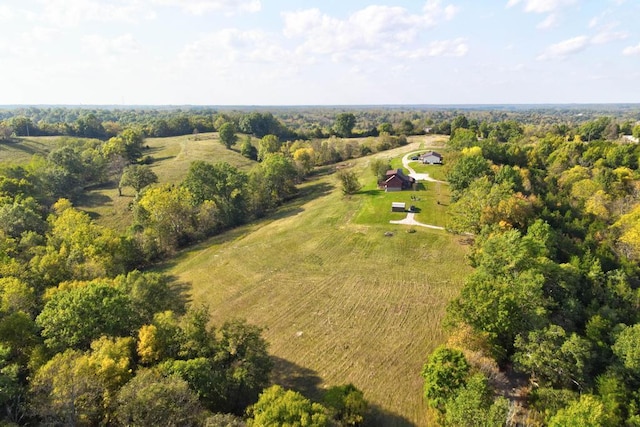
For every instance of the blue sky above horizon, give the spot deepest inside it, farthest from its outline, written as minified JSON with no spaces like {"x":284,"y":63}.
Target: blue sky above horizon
{"x":292,"y":52}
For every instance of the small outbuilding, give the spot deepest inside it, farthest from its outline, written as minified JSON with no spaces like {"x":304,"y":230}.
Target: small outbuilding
{"x":398,"y":206}
{"x":431,"y":158}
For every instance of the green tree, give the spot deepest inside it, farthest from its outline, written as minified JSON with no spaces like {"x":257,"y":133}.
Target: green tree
{"x":349,"y":181}
{"x":379,"y":167}
{"x":385,"y":127}
{"x":75,"y":317}
{"x":445,"y":371}
{"x":160,"y":340}
{"x":552,"y":358}
{"x":465,"y":170}
{"x":504,"y":296}
{"x":152,"y":293}
{"x":16,"y":296}
{"x":627,"y":348}
{"x":227,"y":133}
{"x":242,"y":356}
{"x":19,"y":215}
{"x":305,"y":158}
{"x":344,"y":124}
{"x":137,"y":177}
{"x":223,"y":184}
{"x":89,"y":126}
{"x":462,"y":138}
{"x":473,"y":405}
{"x":67,"y":391}
{"x":269,"y":144}
{"x":279,"y":407}
{"x":248,"y":150}
{"x":167,"y":213}
{"x":203,"y":377}
{"x":614,"y":395}
{"x":347,"y":404}
{"x":586,"y":412}
{"x":272,"y":182}
{"x":406,"y":127}
{"x":151,"y":399}
{"x":78,"y":249}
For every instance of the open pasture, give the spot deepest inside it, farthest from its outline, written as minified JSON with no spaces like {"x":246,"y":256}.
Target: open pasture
{"x":340,"y":301}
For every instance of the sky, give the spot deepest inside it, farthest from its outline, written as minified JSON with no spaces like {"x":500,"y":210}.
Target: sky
{"x":312,"y":52}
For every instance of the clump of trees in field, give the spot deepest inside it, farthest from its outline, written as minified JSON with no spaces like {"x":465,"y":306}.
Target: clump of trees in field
{"x":555,"y":287}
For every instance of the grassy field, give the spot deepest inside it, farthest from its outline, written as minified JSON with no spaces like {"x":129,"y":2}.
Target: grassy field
{"x":20,"y":150}
{"x":340,"y":301}
{"x":375,"y":206}
{"x":172,"y":157}
{"x":434,"y":171}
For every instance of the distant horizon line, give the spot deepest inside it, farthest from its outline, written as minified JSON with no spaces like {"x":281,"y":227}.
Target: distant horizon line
{"x":346,"y":106}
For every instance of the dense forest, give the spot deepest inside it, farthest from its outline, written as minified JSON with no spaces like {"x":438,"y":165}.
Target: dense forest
{"x":544,"y":332}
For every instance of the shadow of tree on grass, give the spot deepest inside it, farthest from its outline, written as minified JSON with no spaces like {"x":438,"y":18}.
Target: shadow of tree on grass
{"x":306,"y":381}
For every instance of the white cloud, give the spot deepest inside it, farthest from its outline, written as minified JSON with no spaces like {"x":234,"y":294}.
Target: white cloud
{"x":565,"y":48}
{"x":39,"y":35}
{"x":606,"y":36}
{"x":5,"y":13}
{"x":631,"y":50}
{"x":75,"y":12}
{"x":549,"y":22}
{"x":29,"y":45}
{"x":552,"y":8}
{"x":199,"y":7}
{"x":366,"y":34}
{"x":434,"y":12}
{"x":122,"y":45}
{"x":231,"y":46}
{"x":542,"y":6}
{"x":457,"y":47}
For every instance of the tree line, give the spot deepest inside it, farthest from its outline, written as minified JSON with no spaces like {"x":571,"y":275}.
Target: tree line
{"x":290,"y":123}
{"x":555,"y":288}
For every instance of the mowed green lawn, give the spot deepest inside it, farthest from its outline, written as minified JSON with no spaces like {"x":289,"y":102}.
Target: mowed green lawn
{"x":340,"y":302}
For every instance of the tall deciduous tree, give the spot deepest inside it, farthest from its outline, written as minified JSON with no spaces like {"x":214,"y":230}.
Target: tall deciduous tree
{"x":68,"y":391}
{"x":344,"y":124}
{"x":473,"y":405}
{"x":227,"y":133}
{"x":137,"y":177}
{"x":74,"y":318}
{"x":242,"y":356}
{"x":151,"y":399}
{"x":167,"y":212}
{"x":223,"y":184}
{"x":444,"y":373}
{"x":349,"y":181}
{"x":269,"y":144}
{"x":466,"y":169}
{"x":347,"y":404}
{"x":379,"y":167}
{"x":279,"y":407}
{"x":248,"y":150}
